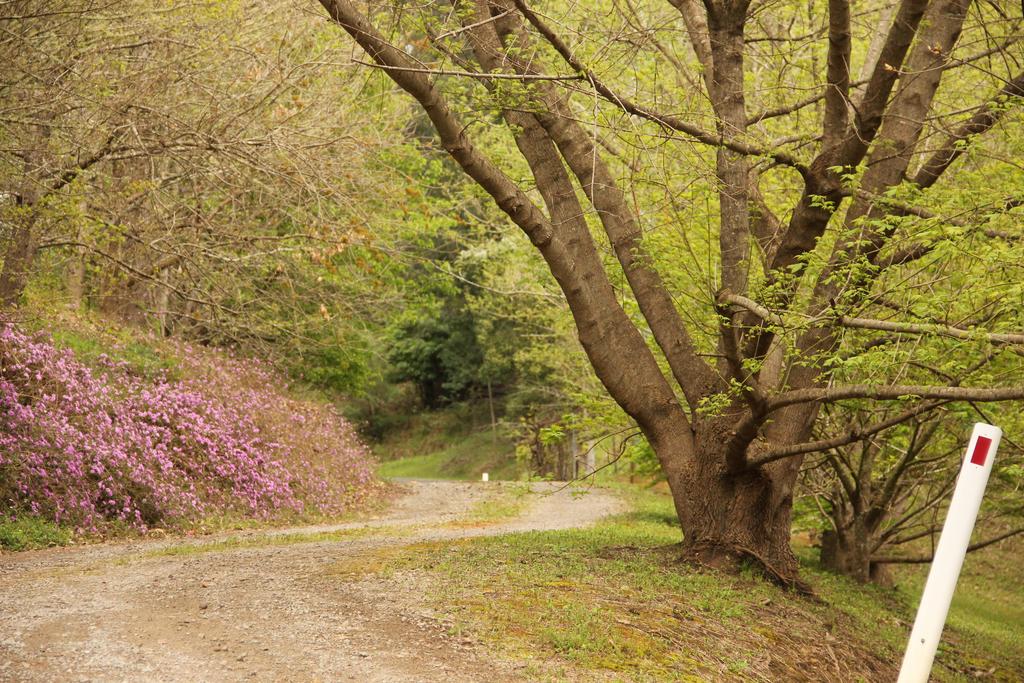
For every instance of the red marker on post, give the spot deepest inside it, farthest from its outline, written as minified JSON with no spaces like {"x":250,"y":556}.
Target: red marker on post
{"x":980,"y":452}
{"x":949,"y":554}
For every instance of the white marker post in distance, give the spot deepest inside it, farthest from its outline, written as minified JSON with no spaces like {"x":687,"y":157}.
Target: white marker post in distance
{"x":949,"y":554}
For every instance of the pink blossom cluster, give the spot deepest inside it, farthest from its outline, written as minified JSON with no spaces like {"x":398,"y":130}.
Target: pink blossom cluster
{"x":90,"y":445}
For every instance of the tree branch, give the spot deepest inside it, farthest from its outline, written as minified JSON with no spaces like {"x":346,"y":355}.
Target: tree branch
{"x":891,"y":393}
{"x":697,"y":28}
{"x":983,"y":119}
{"x":785,"y":109}
{"x":509,"y":197}
{"x":68,"y":176}
{"x":928,"y":328}
{"x":837,"y":87}
{"x":822,"y":193}
{"x":869,"y":111}
{"x":880,"y":325}
{"x":666,"y":120}
{"x":472,"y":74}
{"x":622,"y":226}
{"x":852,"y":436}
{"x":605,"y":331}
{"x":925,"y":559}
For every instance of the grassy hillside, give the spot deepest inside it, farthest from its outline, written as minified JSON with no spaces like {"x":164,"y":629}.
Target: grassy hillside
{"x":611,"y":603}
{"x":457,"y":443}
{"x":987,"y":616}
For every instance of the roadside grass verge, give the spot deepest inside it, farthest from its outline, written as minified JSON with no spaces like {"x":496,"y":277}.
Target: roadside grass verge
{"x":612,"y":602}
{"x":33,"y":533}
{"x":28,"y":533}
{"x":280,"y":539}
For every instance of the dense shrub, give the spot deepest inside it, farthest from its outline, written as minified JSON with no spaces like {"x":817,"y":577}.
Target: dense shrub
{"x":90,"y":445}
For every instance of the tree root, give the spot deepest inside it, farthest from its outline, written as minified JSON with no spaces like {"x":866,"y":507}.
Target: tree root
{"x":732,"y":558}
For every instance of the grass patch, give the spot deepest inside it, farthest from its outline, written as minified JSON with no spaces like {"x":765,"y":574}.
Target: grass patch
{"x":612,"y":601}
{"x":416,"y":467}
{"x":26,"y":533}
{"x":380,"y":561}
{"x":270,"y":540}
{"x":502,"y":504}
{"x":985,"y":627}
{"x":440,"y":454}
{"x":90,"y":339}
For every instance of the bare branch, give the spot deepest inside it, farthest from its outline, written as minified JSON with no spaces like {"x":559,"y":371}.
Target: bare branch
{"x":928,"y":328}
{"x":696,"y":21}
{"x":470,"y":27}
{"x":895,"y":206}
{"x":509,"y":197}
{"x":925,"y":559}
{"x":786,"y":109}
{"x":880,"y":325}
{"x":852,"y":436}
{"x":471,"y":74}
{"x":666,"y":120}
{"x":983,"y":119}
{"x":891,"y":393}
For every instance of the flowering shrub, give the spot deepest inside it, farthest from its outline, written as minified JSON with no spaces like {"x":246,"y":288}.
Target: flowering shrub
{"x":89,"y":445}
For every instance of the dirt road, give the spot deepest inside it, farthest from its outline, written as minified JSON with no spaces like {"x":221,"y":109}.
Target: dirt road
{"x":259,"y":606}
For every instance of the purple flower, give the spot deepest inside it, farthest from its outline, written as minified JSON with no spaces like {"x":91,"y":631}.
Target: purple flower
{"x":90,"y":446}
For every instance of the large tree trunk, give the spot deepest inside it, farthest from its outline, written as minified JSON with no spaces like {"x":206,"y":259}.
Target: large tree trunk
{"x":732,"y":477}
{"x":848,"y":552}
{"x":729,"y":518}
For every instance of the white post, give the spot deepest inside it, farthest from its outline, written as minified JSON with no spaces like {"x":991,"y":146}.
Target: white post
{"x":949,"y":554}
{"x":485,"y":477}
